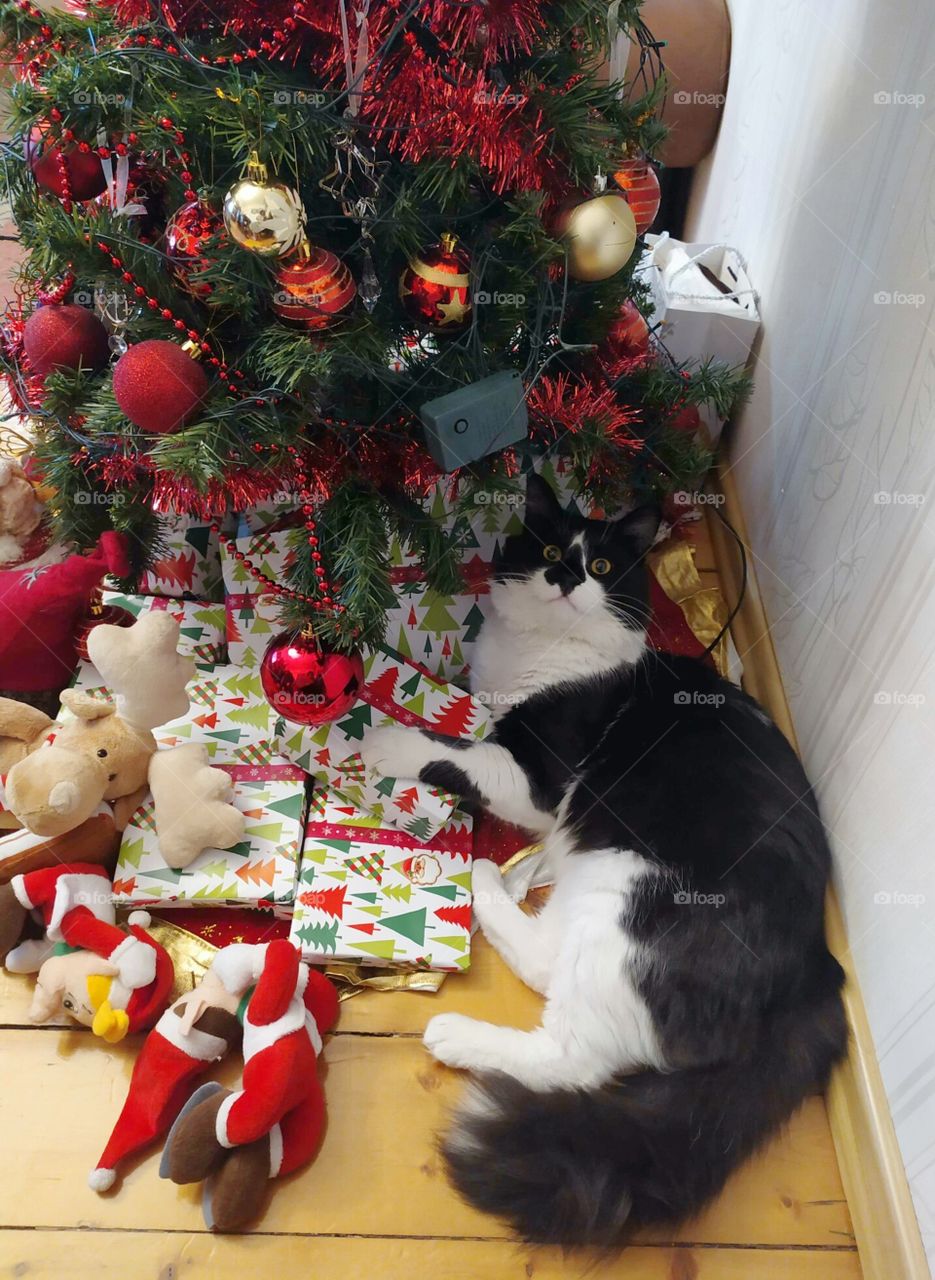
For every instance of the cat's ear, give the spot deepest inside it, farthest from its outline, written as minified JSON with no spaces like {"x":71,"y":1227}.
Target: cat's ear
{"x":542,"y":506}
{"x":640,"y":527}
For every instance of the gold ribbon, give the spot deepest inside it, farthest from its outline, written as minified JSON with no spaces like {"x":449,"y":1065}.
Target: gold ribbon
{"x":702,"y":607}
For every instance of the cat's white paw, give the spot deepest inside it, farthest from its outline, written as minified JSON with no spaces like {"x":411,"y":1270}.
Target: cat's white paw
{"x":456,"y":1040}
{"x":395,"y":752}
{"x":487,"y":887}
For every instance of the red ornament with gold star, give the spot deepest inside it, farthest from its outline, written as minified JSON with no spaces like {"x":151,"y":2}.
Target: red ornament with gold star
{"x":435,"y":288}
{"x":306,"y":684}
{"x":186,"y":233}
{"x":314,"y":289}
{"x":639,"y":182}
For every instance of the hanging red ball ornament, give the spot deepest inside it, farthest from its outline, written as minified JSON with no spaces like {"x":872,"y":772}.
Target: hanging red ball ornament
{"x":64,"y":337}
{"x":314,"y":289}
{"x":65,"y":171}
{"x":628,"y":336}
{"x":435,"y":287}
{"x":304,"y":683}
{"x":159,"y":386}
{"x":97,"y":613}
{"x":186,"y":233}
{"x":639,"y":182}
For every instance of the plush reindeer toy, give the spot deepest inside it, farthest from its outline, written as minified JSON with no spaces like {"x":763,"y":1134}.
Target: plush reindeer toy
{"x":691,"y":1002}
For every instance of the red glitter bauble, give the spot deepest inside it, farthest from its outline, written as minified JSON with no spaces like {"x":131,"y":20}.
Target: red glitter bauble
{"x":629,"y":334}
{"x":159,"y":386}
{"x":435,"y":288}
{"x":186,"y":233}
{"x":83,"y":176}
{"x":307,"y":685}
{"x":64,"y":337}
{"x":314,"y":289}
{"x":639,"y":182}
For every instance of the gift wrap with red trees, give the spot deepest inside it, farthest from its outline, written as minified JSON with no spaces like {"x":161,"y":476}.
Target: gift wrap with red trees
{"x":374,"y":895}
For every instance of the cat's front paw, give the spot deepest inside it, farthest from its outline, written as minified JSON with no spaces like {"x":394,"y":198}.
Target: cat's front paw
{"x":456,"y":1040}
{"x":395,"y":752}
{"x":487,"y":887}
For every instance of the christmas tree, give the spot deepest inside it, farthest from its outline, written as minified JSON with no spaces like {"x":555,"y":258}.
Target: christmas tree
{"x":297,"y":225}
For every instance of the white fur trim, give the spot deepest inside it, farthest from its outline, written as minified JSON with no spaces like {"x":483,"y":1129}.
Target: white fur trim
{"x":302,"y":980}
{"x":18,"y":885}
{"x":93,"y":892}
{"x":142,"y":919}
{"x":256,"y":1038}
{"x":220,"y":1127}
{"x":101,"y":1179}
{"x":199,"y":1045}
{"x":275,"y":1150}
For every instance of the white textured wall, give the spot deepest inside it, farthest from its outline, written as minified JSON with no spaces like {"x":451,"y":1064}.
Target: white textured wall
{"x":829,"y":193}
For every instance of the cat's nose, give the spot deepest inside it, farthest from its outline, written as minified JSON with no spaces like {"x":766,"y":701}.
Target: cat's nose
{"x":566,"y":574}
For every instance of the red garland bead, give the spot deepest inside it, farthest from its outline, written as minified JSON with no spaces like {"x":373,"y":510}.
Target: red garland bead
{"x":306,"y":684}
{"x":65,"y":337}
{"x":69,"y":172}
{"x":159,"y":386}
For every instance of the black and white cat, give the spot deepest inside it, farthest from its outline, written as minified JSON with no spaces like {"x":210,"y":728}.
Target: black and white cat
{"x":691,"y":1002}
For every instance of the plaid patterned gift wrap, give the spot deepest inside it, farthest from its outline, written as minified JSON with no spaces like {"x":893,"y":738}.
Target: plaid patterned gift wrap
{"x":260,"y":871}
{"x":395,"y":690}
{"x":374,"y":895}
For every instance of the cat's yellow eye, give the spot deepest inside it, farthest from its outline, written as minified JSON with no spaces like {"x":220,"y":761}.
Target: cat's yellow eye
{"x":552,"y":552}
{"x":600,"y":566}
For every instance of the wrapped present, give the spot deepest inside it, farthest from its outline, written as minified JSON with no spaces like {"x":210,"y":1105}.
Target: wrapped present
{"x":228,"y":714}
{"x":395,"y":690}
{"x":190,"y":560}
{"x":376,"y":896}
{"x":203,"y":625}
{"x":251,"y":620}
{"x":438,"y":631}
{"x":259,"y":871}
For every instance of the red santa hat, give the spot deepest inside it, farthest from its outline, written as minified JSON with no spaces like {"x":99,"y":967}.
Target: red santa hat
{"x":147,"y":1003}
{"x":169,"y":1062}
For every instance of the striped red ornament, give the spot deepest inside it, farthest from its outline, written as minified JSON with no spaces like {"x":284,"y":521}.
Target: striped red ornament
{"x":314,"y":289}
{"x":639,"y":182}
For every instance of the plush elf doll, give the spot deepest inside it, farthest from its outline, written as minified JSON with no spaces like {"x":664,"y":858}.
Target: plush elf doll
{"x":267,"y":1128}
{"x":109,"y":980}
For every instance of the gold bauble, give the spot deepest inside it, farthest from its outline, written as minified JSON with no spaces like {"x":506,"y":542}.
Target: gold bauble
{"x":601,"y":235}
{"x":263,"y":214}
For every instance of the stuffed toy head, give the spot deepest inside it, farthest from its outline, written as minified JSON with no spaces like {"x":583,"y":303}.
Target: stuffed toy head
{"x":97,"y":756}
{"x":20,"y":512}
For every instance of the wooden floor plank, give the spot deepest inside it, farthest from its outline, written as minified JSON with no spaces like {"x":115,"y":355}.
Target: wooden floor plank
{"x":70,"y":1255}
{"x":378,"y":1172}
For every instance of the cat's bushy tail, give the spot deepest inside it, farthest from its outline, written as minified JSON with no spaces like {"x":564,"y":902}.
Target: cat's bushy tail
{"x":583,"y":1168}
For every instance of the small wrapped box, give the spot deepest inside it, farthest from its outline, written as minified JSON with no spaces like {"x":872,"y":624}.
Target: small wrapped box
{"x":203,"y":624}
{"x":260,"y":871}
{"x":373,"y":895}
{"x":395,"y":690}
{"x":438,"y":631}
{"x":190,"y":561}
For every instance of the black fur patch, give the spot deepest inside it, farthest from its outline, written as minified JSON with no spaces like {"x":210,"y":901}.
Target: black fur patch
{"x":441,"y":773}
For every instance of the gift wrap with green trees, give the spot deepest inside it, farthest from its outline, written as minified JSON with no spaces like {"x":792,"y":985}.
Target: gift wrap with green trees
{"x":339,"y":251}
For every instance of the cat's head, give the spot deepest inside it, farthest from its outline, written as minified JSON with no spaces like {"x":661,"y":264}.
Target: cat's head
{"x":566,"y":573}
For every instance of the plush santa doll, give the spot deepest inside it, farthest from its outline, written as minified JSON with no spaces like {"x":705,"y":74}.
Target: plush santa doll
{"x":112,"y":981}
{"x":268,"y":1127}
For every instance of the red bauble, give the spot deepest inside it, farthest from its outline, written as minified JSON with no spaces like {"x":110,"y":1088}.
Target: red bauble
{"x":314,"y":289}
{"x":435,"y":288}
{"x":65,"y":171}
{"x":628,"y":336}
{"x":639,"y":182}
{"x":186,"y":233}
{"x":98,"y":613}
{"x":159,"y":386}
{"x":64,"y":337}
{"x":305,"y":684}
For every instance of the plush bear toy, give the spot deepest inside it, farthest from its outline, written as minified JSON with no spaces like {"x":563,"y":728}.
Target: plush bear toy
{"x":111,"y":981}
{"x":20,"y":512}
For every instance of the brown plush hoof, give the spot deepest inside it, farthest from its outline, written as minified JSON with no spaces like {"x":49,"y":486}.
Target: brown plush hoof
{"x":238,"y":1189}
{"x":12,"y":919}
{"x":192,"y":1150}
